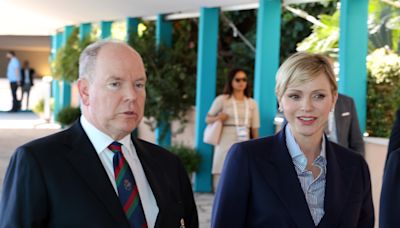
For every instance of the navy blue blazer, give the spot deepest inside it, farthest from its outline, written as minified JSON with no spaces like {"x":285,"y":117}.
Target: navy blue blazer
{"x":389,"y":212}
{"x":394,"y":141}
{"x":259,"y":187}
{"x":59,"y":181}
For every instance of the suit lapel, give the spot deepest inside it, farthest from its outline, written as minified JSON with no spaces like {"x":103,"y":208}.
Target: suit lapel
{"x":278,"y":170}
{"x":86,"y":162}
{"x":338,"y":184}
{"x":156,"y":179}
{"x":338,"y":116}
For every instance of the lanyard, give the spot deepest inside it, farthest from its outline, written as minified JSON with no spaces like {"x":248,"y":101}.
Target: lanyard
{"x":246,"y":115}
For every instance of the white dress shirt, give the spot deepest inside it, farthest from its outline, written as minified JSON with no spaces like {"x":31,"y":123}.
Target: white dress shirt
{"x":314,"y":189}
{"x":100,"y":142}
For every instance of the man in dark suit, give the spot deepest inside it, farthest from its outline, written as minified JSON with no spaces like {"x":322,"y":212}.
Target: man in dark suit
{"x":346,"y":130}
{"x":96,"y":174}
{"x":27,"y":74}
{"x":390,"y":195}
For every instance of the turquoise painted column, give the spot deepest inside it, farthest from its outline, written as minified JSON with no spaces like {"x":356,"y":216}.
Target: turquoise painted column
{"x":65,"y":89}
{"x":267,"y":62}
{"x":163,"y":37}
{"x":53,"y":47}
{"x":84,"y":30}
{"x":53,"y":56}
{"x":163,"y":31}
{"x":205,"y":90}
{"x":353,"y":48}
{"x":105,"y":27}
{"x":131,"y":27}
{"x":55,"y":84}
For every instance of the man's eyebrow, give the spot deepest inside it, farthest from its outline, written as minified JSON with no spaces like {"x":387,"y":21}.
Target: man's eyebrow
{"x":112,"y":77}
{"x":142,"y":78}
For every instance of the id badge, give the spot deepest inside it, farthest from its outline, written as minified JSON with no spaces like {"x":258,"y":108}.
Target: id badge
{"x":242,"y":133}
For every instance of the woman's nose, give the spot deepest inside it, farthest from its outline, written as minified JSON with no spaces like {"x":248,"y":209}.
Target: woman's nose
{"x":307,"y":105}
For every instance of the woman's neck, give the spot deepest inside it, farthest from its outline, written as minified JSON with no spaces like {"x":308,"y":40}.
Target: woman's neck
{"x":311,"y":147}
{"x":238,"y":95}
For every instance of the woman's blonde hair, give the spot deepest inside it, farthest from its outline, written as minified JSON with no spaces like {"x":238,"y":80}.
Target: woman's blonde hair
{"x":302,"y":67}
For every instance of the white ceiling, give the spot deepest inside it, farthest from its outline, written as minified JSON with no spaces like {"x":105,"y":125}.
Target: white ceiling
{"x":44,"y":17}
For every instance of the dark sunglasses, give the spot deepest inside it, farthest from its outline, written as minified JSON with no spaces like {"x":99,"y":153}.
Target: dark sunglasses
{"x":240,"y":79}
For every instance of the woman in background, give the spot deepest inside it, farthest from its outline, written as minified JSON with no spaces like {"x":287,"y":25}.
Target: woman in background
{"x":296,"y":178}
{"x":239,"y":115}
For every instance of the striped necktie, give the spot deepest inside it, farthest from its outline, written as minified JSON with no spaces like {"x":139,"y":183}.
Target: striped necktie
{"x":127,"y":189}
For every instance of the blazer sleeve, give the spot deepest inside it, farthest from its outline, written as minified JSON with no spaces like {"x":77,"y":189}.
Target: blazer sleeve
{"x":389,"y":213}
{"x":230,"y":203}
{"x":23,"y":202}
{"x":356,"y":141}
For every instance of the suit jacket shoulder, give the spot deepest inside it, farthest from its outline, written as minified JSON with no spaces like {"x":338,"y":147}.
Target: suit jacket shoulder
{"x":390,"y":194}
{"x":394,"y":142}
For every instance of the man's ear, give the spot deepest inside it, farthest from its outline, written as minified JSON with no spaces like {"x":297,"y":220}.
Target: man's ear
{"x":83,"y":88}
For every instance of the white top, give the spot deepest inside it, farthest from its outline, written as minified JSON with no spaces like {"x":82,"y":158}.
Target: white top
{"x":223,"y":103}
{"x":101,"y":142}
{"x":27,"y":77}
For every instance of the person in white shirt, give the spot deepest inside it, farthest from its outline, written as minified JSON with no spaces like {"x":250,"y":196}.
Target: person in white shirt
{"x":13,"y":76}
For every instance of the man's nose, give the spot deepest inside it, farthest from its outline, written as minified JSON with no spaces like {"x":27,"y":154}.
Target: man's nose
{"x":130,"y":93}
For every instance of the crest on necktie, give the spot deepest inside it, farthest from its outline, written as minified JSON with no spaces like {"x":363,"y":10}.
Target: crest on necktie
{"x":127,"y":185}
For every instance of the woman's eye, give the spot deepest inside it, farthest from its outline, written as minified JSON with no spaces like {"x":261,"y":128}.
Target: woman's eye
{"x":319,"y":96}
{"x":294,"y":97}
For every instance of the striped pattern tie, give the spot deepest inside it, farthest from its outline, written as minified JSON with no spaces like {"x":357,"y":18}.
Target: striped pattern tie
{"x":127,"y":189}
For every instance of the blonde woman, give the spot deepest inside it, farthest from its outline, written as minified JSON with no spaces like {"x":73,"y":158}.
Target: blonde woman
{"x":296,"y":178}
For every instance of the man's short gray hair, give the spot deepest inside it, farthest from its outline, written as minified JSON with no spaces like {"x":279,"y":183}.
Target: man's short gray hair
{"x":87,"y":60}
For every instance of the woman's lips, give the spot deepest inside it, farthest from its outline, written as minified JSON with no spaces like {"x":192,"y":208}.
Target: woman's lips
{"x":307,"y":120}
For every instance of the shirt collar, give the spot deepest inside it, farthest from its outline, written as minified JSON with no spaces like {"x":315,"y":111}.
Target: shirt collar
{"x":100,"y":140}
{"x":298,"y":157}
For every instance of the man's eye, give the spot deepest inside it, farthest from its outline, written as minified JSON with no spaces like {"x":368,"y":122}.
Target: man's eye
{"x":115,"y":84}
{"x":140,"y":85}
